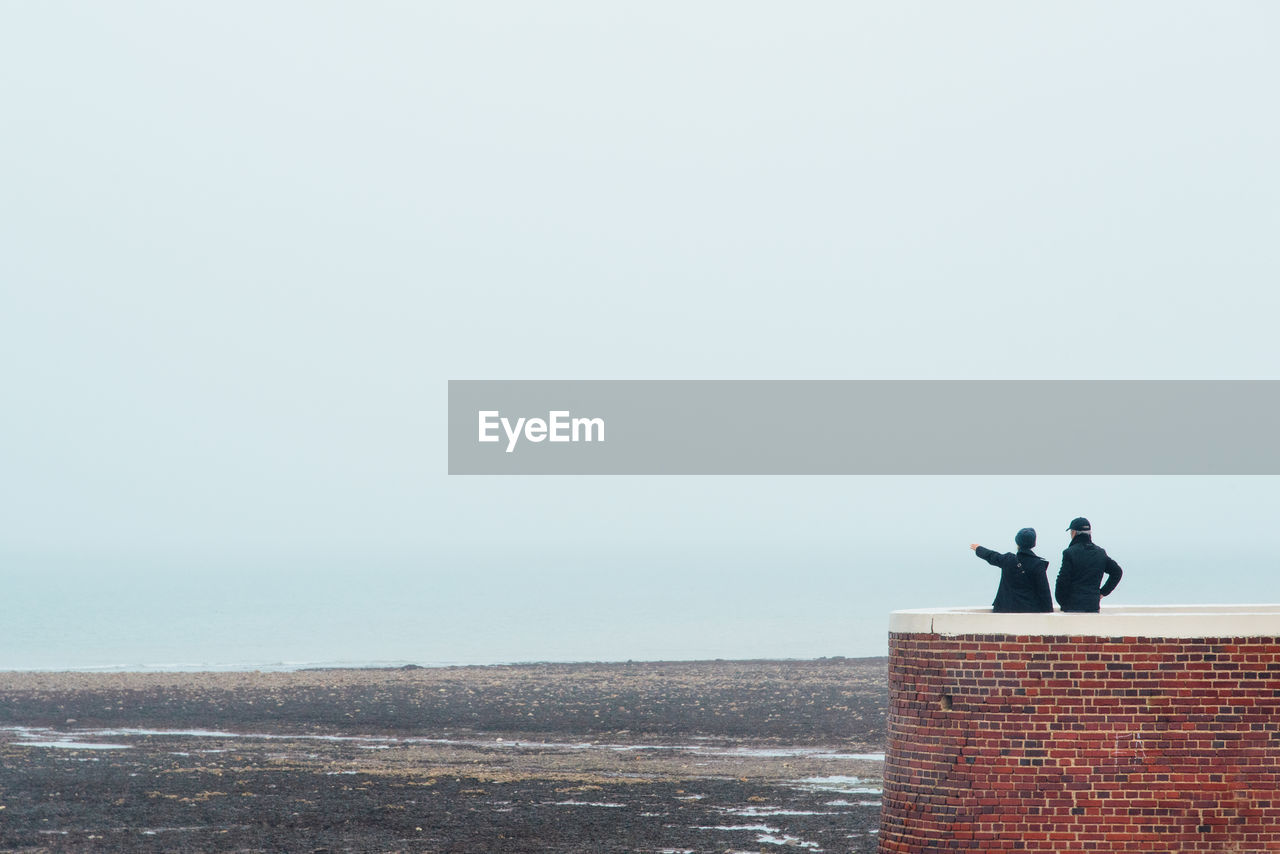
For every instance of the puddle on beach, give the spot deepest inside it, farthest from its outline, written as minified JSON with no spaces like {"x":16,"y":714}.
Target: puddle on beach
{"x":839,"y":784}
{"x":72,"y":745}
{"x":44,"y":737}
{"x":761,"y":812}
{"x":789,"y":841}
{"x":374,"y":742}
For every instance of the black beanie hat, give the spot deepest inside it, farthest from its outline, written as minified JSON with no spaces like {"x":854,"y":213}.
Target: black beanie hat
{"x":1026,"y":538}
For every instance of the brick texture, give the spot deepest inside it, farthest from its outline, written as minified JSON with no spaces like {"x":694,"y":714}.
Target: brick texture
{"x":1082,"y":744}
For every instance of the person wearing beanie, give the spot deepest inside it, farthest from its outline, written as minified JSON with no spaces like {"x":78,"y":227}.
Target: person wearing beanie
{"x":1079,"y":587}
{"x":1024,"y":584}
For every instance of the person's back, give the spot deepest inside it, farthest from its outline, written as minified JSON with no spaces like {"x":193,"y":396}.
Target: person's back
{"x":1079,"y":587}
{"x":1024,"y":584}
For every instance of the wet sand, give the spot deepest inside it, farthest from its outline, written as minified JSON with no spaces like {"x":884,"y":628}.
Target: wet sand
{"x":644,"y":757}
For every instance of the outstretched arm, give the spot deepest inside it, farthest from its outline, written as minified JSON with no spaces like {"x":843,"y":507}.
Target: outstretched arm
{"x":992,"y":557}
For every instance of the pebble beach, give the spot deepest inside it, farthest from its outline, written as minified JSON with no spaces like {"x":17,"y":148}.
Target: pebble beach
{"x":660,"y":757}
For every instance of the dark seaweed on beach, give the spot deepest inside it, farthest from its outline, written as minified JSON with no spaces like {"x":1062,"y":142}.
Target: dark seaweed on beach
{"x":643,"y":757}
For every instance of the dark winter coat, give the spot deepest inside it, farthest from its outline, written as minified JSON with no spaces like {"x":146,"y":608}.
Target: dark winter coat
{"x":1079,"y":585}
{"x":1024,"y":584}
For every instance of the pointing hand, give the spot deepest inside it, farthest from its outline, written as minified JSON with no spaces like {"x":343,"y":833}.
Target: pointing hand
{"x":973,"y":546}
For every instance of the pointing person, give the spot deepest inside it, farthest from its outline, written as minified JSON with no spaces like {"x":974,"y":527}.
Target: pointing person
{"x":1079,"y":587}
{"x":1024,"y":585}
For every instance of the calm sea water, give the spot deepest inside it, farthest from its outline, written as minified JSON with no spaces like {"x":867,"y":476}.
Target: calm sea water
{"x":148,"y":619}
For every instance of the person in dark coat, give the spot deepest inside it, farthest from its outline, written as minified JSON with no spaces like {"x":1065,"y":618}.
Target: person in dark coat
{"x":1024,"y":584}
{"x":1079,"y":587}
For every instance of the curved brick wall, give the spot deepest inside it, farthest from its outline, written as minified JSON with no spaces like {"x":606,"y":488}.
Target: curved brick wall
{"x":1142,"y":729}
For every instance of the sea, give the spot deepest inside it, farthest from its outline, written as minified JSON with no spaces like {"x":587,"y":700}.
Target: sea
{"x":120,"y":619}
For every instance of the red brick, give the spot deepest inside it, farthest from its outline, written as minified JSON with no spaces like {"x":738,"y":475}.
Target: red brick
{"x":1150,"y":745}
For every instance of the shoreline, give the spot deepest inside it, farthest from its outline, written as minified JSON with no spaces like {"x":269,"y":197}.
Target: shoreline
{"x":306,"y":666}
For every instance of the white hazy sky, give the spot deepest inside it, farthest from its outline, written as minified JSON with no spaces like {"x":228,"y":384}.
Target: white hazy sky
{"x":243,"y":247}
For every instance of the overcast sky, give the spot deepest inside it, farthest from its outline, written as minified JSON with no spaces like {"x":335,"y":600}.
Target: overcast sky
{"x":244,"y":246}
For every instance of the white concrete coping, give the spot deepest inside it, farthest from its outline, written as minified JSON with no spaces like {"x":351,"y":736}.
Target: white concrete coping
{"x":1143,"y":621}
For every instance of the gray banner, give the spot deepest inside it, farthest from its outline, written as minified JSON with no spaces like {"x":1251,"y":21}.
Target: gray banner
{"x":864,"y":427}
